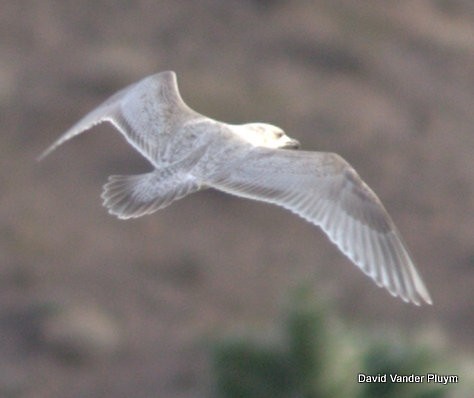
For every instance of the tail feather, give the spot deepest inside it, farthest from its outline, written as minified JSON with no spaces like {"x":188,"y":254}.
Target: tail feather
{"x":131,"y":196}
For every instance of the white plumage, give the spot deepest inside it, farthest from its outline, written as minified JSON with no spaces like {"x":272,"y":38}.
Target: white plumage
{"x":190,"y":152}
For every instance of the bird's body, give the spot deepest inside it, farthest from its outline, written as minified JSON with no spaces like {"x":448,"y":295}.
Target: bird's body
{"x":191,"y":152}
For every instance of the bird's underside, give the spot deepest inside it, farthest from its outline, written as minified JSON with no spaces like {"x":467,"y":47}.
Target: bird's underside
{"x":320,"y":187}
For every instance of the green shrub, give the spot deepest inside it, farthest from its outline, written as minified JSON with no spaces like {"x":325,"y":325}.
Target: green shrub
{"x":317,"y":358}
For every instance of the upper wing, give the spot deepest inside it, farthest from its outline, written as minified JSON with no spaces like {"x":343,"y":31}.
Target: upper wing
{"x":144,"y":112}
{"x":325,"y":190}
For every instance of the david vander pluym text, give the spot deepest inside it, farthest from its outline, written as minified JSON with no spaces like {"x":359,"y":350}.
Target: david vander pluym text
{"x":410,"y":378}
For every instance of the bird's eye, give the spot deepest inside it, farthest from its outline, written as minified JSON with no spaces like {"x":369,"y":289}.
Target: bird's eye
{"x":279,"y":134}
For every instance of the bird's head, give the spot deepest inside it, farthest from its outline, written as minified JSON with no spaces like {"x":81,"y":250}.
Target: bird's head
{"x":267,"y":135}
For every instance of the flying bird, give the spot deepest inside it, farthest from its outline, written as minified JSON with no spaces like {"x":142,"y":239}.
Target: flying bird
{"x":192,"y":152}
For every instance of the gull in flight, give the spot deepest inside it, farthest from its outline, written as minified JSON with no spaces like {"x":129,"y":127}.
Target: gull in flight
{"x":192,"y":152}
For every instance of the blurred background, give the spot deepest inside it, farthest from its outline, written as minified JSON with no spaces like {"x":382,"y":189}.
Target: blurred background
{"x":91,"y":306}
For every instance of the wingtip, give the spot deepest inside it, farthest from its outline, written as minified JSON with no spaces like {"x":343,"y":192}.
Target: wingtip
{"x":421,"y":297}
{"x":418,"y":297}
{"x":421,"y":290}
{"x":427,"y":298}
{"x":43,"y":154}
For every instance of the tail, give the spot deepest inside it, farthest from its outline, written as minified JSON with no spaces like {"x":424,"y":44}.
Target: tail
{"x":134,"y":196}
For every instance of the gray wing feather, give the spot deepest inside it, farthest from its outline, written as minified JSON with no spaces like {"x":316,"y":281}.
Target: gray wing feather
{"x":143,"y":112}
{"x":326,"y":191}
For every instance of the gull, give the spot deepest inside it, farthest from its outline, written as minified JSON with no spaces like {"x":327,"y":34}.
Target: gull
{"x":192,"y":152}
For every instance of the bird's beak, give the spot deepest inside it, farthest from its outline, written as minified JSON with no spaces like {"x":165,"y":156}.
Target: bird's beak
{"x":291,"y":144}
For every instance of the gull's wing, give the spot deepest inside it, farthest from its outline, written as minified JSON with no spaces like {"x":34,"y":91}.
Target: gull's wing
{"x":325,"y":190}
{"x":144,"y":112}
